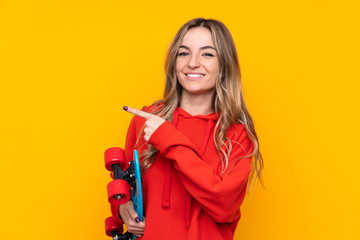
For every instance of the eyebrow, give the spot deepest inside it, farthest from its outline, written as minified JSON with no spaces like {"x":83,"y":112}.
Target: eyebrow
{"x":204,"y":47}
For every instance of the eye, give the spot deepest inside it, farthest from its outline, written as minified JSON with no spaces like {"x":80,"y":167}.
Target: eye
{"x":208,"y":55}
{"x":183,"y":54}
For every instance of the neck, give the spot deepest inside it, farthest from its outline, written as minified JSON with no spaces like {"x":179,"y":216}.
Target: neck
{"x":197,"y":104}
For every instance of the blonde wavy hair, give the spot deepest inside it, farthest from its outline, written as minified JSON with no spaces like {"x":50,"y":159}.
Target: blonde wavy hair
{"x":228,"y":99}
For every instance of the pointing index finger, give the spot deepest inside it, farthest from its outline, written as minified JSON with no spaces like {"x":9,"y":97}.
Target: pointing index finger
{"x":138,"y":112}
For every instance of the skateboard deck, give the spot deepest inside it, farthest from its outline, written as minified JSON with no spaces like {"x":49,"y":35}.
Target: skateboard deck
{"x":136,"y":196}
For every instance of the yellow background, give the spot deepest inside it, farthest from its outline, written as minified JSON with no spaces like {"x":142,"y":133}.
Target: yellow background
{"x":67,"y":68}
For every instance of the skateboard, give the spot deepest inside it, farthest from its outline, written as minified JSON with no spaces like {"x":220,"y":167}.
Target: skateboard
{"x":124,"y":181}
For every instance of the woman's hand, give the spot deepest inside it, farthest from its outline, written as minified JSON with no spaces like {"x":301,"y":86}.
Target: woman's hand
{"x":131,"y":219}
{"x":152,"y":121}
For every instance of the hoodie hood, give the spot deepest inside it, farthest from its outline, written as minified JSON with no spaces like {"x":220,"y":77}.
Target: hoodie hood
{"x":210,"y":124}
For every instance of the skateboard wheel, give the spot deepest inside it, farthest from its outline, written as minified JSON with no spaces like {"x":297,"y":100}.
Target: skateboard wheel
{"x":112,"y":225}
{"x":118,"y":192}
{"x":114,"y":155}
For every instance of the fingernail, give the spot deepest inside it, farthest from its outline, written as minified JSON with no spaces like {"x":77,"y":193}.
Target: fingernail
{"x":137,"y":219}
{"x":125,"y":108}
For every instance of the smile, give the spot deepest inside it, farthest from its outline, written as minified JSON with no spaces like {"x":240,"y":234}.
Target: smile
{"x":195,"y":75}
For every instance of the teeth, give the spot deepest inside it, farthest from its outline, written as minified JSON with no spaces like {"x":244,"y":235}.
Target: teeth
{"x":194,"y":75}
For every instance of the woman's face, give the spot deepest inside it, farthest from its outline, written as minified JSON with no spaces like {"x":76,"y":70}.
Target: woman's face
{"x":197,"y":63}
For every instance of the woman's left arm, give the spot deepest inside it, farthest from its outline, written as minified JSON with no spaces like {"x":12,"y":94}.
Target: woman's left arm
{"x":220,"y":196}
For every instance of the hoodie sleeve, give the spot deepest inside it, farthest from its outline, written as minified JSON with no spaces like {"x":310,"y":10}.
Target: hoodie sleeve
{"x":219,"y":196}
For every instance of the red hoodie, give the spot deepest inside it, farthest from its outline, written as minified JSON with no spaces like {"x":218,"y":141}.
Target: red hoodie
{"x":185,"y":197}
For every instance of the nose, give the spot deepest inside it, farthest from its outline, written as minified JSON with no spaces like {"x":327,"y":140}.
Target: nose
{"x":194,"y":61}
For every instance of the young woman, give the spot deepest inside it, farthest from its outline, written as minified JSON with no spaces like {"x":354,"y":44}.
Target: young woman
{"x":198,"y":145}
